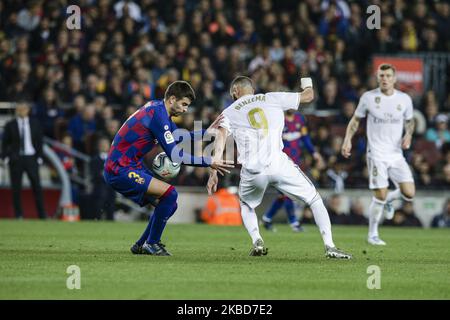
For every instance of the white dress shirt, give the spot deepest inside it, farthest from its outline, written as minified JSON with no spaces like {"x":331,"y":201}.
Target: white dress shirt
{"x":24,"y":128}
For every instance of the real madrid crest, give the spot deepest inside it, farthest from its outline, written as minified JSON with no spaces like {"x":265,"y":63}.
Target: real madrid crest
{"x":377,"y":100}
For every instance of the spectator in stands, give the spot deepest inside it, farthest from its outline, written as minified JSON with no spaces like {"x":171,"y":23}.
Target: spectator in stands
{"x":443,"y":181}
{"x":337,"y":216}
{"x":356,"y":215}
{"x":28,"y":18}
{"x":422,"y":171}
{"x":307,"y":216}
{"x":397,"y":220}
{"x":440,"y":134}
{"x":345,"y":113}
{"x":103,"y":196}
{"x":328,"y":100}
{"x":442,"y":220}
{"x":411,"y":219}
{"x":82,"y":124}
{"x":48,"y":112}
{"x":430,"y":106}
{"x":22,"y":149}
{"x":404,"y":216}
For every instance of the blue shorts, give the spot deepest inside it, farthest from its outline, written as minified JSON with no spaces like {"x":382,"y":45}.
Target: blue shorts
{"x":132,"y":183}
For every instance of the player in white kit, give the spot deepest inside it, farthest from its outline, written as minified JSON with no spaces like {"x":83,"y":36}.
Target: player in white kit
{"x":256,"y":123}
{"x":388,"y":111}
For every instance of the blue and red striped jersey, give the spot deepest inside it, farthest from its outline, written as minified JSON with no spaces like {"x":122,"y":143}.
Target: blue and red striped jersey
{"x":142,"y":131}
{"x":294,"y":132}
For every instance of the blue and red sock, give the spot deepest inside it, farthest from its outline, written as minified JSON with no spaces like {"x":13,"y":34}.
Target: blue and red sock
{"x":289,"y":206}
{"x":276,"y":205}
{"x":164,"y":210}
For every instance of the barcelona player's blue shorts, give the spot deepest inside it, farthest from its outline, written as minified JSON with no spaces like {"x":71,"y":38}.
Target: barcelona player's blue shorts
{"x":132,"y":183}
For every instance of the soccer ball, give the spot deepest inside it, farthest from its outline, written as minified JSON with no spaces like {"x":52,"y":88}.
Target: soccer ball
{"x":164,"y":167}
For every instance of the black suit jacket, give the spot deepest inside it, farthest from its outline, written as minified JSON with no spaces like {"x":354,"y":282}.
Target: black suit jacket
{"x":11,"y":139}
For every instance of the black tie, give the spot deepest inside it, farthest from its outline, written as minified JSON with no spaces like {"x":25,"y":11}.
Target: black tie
{"x":22,"y":136}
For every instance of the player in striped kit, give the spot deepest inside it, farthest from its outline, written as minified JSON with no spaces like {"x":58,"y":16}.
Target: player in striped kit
{"x":127,"y":174}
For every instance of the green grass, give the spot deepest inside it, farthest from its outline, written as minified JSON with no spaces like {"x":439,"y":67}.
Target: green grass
{"x":212,"y":263}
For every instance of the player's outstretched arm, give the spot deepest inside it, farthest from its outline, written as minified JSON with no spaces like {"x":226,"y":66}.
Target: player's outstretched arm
{"x":219,"y":147}
{"x":352,"y":127}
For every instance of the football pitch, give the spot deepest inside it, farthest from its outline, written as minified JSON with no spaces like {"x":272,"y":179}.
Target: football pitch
{"x":211,"y":262}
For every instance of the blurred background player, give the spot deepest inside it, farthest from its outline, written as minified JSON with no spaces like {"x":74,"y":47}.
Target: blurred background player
{"x":256,"y":123}
{"x":125,"y":172}
{"x":295,"y":135}
{"x":388,"y":110}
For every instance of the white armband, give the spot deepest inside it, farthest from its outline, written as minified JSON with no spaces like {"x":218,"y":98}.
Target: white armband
{"x":306,"y":82}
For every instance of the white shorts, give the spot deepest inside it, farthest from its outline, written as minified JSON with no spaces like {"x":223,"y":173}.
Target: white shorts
{"x":285,"y":176}
{"x":380,"y":171}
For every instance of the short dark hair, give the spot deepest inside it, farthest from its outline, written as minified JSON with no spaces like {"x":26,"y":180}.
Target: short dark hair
{"x":22,"y":102}
{"x":241,"y":81}
{"x":180,"y":89}
{"x":386,"y":66}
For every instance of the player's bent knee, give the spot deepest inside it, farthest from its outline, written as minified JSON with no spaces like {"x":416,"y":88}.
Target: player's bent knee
{"x":171,"y":195}
{"x":380,"y":195}
{"x":316,"y":198}
{"x":408,"y":192}
{"x":408,"y":196}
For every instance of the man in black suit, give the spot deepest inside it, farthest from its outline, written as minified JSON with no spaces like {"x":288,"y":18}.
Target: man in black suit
{"x":22,"y":149}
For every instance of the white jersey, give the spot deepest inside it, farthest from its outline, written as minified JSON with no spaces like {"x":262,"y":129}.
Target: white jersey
{"x":385,"y":121}
{"x":256,"y":123}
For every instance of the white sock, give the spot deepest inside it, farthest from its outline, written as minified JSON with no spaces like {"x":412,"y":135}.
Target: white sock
{"x":375,"y":212}
{"x":393,"y":195}
{"x":322,"y":221}
{"x":250,"y":221}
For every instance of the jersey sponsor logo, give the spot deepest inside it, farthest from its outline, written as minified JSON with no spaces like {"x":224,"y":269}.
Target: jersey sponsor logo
{"x":168,"y":137}
{"x":388,"y":119}
{"x":136,"y":177}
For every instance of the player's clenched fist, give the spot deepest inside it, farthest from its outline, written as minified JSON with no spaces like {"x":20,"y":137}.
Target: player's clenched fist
{"x":406,"y":142}
{"x":346,"y":148}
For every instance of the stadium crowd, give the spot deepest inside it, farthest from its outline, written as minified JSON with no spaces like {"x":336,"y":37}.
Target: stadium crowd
{"x":84,"y":83}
